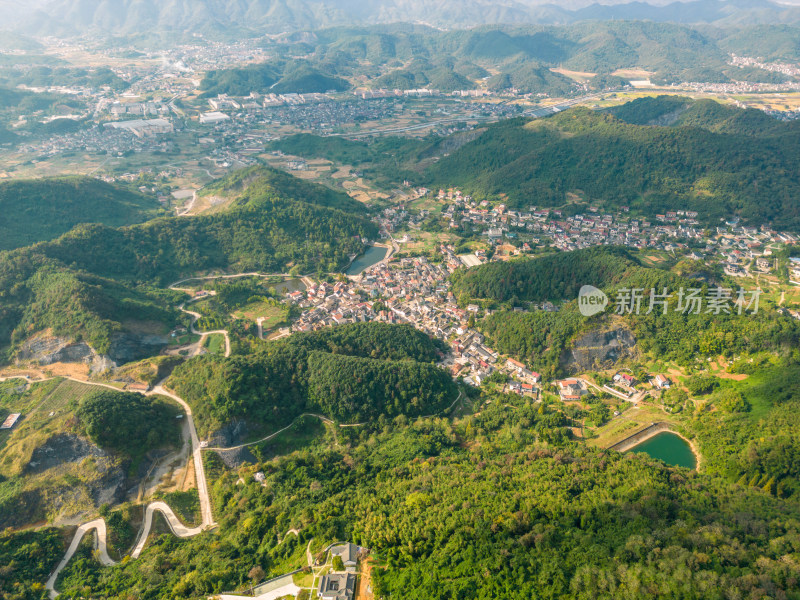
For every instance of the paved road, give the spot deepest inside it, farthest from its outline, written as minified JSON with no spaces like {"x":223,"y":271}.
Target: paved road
{"x":200,"y":473}
{"x":174,"y":523}
{"x":99,"y":526}
{"x":307,"y":281}
{"x":204,"y":334}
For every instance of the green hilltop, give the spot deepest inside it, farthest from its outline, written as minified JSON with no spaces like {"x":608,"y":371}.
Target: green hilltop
{"x":714,"y":160}
{"x":351,"y":374}
{"x":545,"y":339}
{"x":651,"y":154}
{"x":36,"y":210}
{"x":277,"y":78}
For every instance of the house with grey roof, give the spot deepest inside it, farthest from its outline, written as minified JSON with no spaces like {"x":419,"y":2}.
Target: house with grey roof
{"x":337,"y":586}
{"x":348,"y":553}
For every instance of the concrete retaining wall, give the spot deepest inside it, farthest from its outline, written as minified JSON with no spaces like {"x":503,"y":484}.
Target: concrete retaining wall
{"x":640,"y":436}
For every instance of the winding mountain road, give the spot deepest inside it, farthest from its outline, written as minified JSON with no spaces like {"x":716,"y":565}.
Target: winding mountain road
{"x":98,"y":526}
{"x":307,"y":281}
{"x":204,"y":334}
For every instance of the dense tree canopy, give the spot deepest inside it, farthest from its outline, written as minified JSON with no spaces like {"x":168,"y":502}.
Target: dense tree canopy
{"x":478,"y":508}
{"x":349,"y":373}
{"x":715,"y":164}
{"x":128,"y":423}
{"x":275,"y":224}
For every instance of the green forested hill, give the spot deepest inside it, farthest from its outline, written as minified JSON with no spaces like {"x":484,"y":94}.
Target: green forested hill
{"x":442,"y":504}
{"x":556,"y":277}
{"x":128,"y":423}
{"x":771,"y":42}
{"x":308,"y":79}
{"x":351,"y":373}
{"x":277,"y":224}
{"x":34,"y":210}
{"x":44,"y":76}
{"x":708,"y":114}
{"x":277,"y":78}
{"x":271,"y":235}
{"x":403,"y":56}
{"x":79,"y":306}
{"x":253,"y":185}
{"x":530,"y":77}
{"x":240,"y":81}
{"x":697,"y":166}
{"x":542,"y":338}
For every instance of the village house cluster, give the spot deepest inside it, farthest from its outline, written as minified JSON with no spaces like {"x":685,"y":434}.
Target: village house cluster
{"x":741,"y":250}
{"x":414,"y":291}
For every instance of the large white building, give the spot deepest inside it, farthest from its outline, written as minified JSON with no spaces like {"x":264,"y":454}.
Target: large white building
{"x":211,"y":118}
{"x":143,"y":127}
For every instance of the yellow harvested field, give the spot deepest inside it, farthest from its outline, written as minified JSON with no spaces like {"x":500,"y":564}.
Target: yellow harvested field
{"x":633,"y":73}
{"x":581,"y":76}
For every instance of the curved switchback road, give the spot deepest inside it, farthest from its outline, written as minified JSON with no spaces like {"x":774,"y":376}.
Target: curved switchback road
{"x":99,"y":526}
{"x":204,"y":334}
{"x":307,"y":281}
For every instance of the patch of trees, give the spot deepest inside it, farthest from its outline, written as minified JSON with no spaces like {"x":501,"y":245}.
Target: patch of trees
{"x":298,"y":77}
{"x":351,"y":388}
{"x":42,"y":209}
{"x":442,"y":503}
{"x":699,"y":385}
{"x":83,"y":307}
{"x":540,"y":338}
{"x":239,"y":81}
{"x":128,"y":423}
{"x":44,"y":76}
{"x":556,"y":277}
{"x":26,"y":560}
{"x":279,"y":224}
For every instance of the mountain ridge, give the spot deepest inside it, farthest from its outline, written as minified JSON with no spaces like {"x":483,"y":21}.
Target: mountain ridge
{"x":214,"y":17}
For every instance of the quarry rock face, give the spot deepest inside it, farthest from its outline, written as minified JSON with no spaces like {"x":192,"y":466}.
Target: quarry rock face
{"x":93,"y":477}
{"x":125,"y":347}
{"x":599,"y":349}
{"x":62,"y":448}
{"x":47,"y":350}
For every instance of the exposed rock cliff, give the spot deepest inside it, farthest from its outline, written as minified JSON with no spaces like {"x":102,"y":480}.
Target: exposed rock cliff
{"x":599,"y":349}
{"x":47,"y":349}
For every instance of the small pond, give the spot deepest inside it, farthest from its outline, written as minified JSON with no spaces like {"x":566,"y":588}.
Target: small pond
{"x":669,"y":447}
{"x":289,"y":285}
{"x":373,"y":255}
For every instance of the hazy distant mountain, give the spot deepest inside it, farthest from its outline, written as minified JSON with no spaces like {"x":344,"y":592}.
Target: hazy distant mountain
{"x":69,"y":17}
{"x":12,"y":12}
